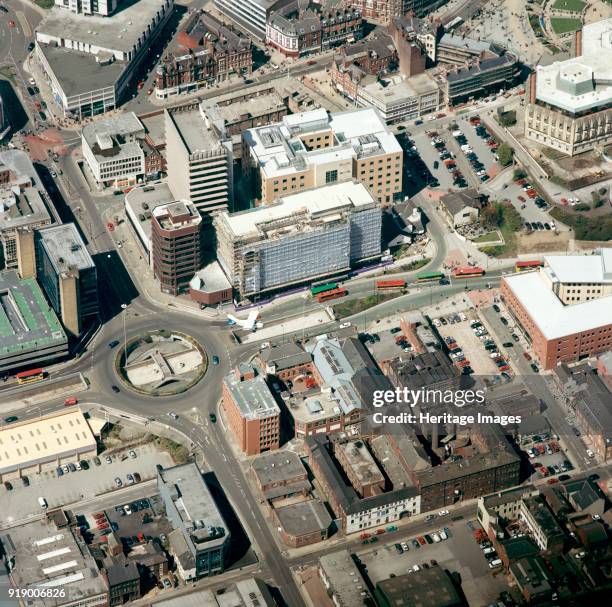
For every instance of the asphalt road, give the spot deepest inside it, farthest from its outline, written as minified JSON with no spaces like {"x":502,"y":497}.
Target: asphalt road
{"x":14,"y":42}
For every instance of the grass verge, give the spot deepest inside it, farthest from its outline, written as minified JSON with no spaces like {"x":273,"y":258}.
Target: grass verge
{"x":354,"y":306}
{"x":586,"y":228}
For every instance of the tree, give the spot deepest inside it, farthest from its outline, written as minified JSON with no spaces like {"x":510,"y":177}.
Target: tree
{"x":490,"y":216}
{"x":507,"y":118}
{"x":505,"y":154}
{"x":519,"y":174}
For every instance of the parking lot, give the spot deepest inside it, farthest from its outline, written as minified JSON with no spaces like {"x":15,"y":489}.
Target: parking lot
{"x":547,"y":459}
{"x":527,"y":207}
{"x":76,"y":486}
{"x":484,"y":152}
{"x":458,"y":553}
{"x":473,"y":347}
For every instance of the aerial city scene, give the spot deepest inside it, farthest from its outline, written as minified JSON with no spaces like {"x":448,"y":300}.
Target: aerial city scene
{"x":305,"y":303}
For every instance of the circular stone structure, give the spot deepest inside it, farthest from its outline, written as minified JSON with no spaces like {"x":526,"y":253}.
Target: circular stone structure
{"x":161,"y":363}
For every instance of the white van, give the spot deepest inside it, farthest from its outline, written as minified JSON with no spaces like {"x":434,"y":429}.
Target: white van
{"x":495,"y":563}
{"x":42,"y":502}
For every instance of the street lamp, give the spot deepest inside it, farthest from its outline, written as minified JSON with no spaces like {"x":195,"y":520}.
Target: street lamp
{"x":124,"y":308}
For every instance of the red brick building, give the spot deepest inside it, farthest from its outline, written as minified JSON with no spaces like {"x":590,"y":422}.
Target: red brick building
{"x":557,"y":332}
{"x":296,"y":35}
{"x":252,"y":413}
{"x":208,"y":51}
{"x":176,"y":244}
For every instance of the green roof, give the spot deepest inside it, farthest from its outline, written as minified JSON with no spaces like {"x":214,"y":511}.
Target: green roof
{"x":27,"y":321}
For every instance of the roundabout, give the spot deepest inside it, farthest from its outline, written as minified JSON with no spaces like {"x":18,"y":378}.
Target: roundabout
{"x":161,"y":363}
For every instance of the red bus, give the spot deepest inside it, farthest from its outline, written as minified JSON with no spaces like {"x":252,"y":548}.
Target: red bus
{"x":333,"y":294}
{"x":468,"y":272}
{"x":390,"y":284}
{"x":28,"y":377}
{"x":521,"y":266}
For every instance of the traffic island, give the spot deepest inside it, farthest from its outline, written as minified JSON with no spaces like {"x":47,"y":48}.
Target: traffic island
{"x":161,"y":363}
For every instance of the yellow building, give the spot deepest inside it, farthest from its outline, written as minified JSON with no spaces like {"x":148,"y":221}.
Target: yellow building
{"x":314,"y":149}
{"x":42,"y":443}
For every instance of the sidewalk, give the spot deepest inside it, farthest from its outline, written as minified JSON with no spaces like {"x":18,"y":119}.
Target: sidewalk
{"x":142,"y":274}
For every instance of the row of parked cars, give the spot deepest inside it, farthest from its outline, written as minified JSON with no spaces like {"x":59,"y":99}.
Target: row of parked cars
{"x":491,"y":347}
{"x":490,"y":554}
{"x":448,"y":158}
{"x":418,"y":166}
{"x":539,"y":225}
{"x":434,"y":537}
{"x":450,"y":320}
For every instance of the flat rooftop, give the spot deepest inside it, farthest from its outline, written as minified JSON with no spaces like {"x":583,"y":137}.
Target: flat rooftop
{"x":318,"y":202}
{"x":50,"y":557}
{"x":315,"y":408}
{"x":304,"y":518}
{"x":278,"y":148}
{"x":65,"y":247}
{"x":22,"y":208}
{"x":194,"y":128}
{"x":79,"y":73}
{"x":581,"y":83}
{"x":24,"y":205}
{"x":344,"y":577}
{"x":278,"y":466}
{"x":113,"y":138}
{"x":255,"y":105}
{"x":252,"y":397}
{"x":177,"y":215}
{"x":431,"y":587}
{"x":398,"y":89}
{"x":154,"y":124}
{"x":194,"y":503}
{"x":141,"y":202}
{"x":361,"y":462}
{"x":548,"y":312}
{"x":27,"y":322}
{"x":596,"y":268}
{"x":120,"y":31}
{"x":44,"y":439}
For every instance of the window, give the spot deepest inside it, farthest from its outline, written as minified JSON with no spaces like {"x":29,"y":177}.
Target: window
{"x":331,"y":176}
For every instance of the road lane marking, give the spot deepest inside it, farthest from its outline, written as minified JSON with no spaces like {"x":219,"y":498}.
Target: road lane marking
{"x":27,"y":32}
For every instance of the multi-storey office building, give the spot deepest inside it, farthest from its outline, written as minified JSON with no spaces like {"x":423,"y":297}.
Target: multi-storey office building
{"x":570,"y":101}
{"x":89,"y":7}
{"x":304,"y":236}
{"x":208,"y":52}
{"x":68,"y":275}
{"x":565,"y":309}
{"x":251,"y":15}
{"x":90,"y":61}
{"x":252,"y":413}
{"x":176,"y":243}
{"x":312,"y":149}
{"x":486,"y":75}
{"x":383,"y":11}
{"x":42,"y":339}
{"x":199,"y":159}
{"x":22,"y":202}
{"x":200,"y":541}
{"x":113,"y":149}
{"x":396,"y":98}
